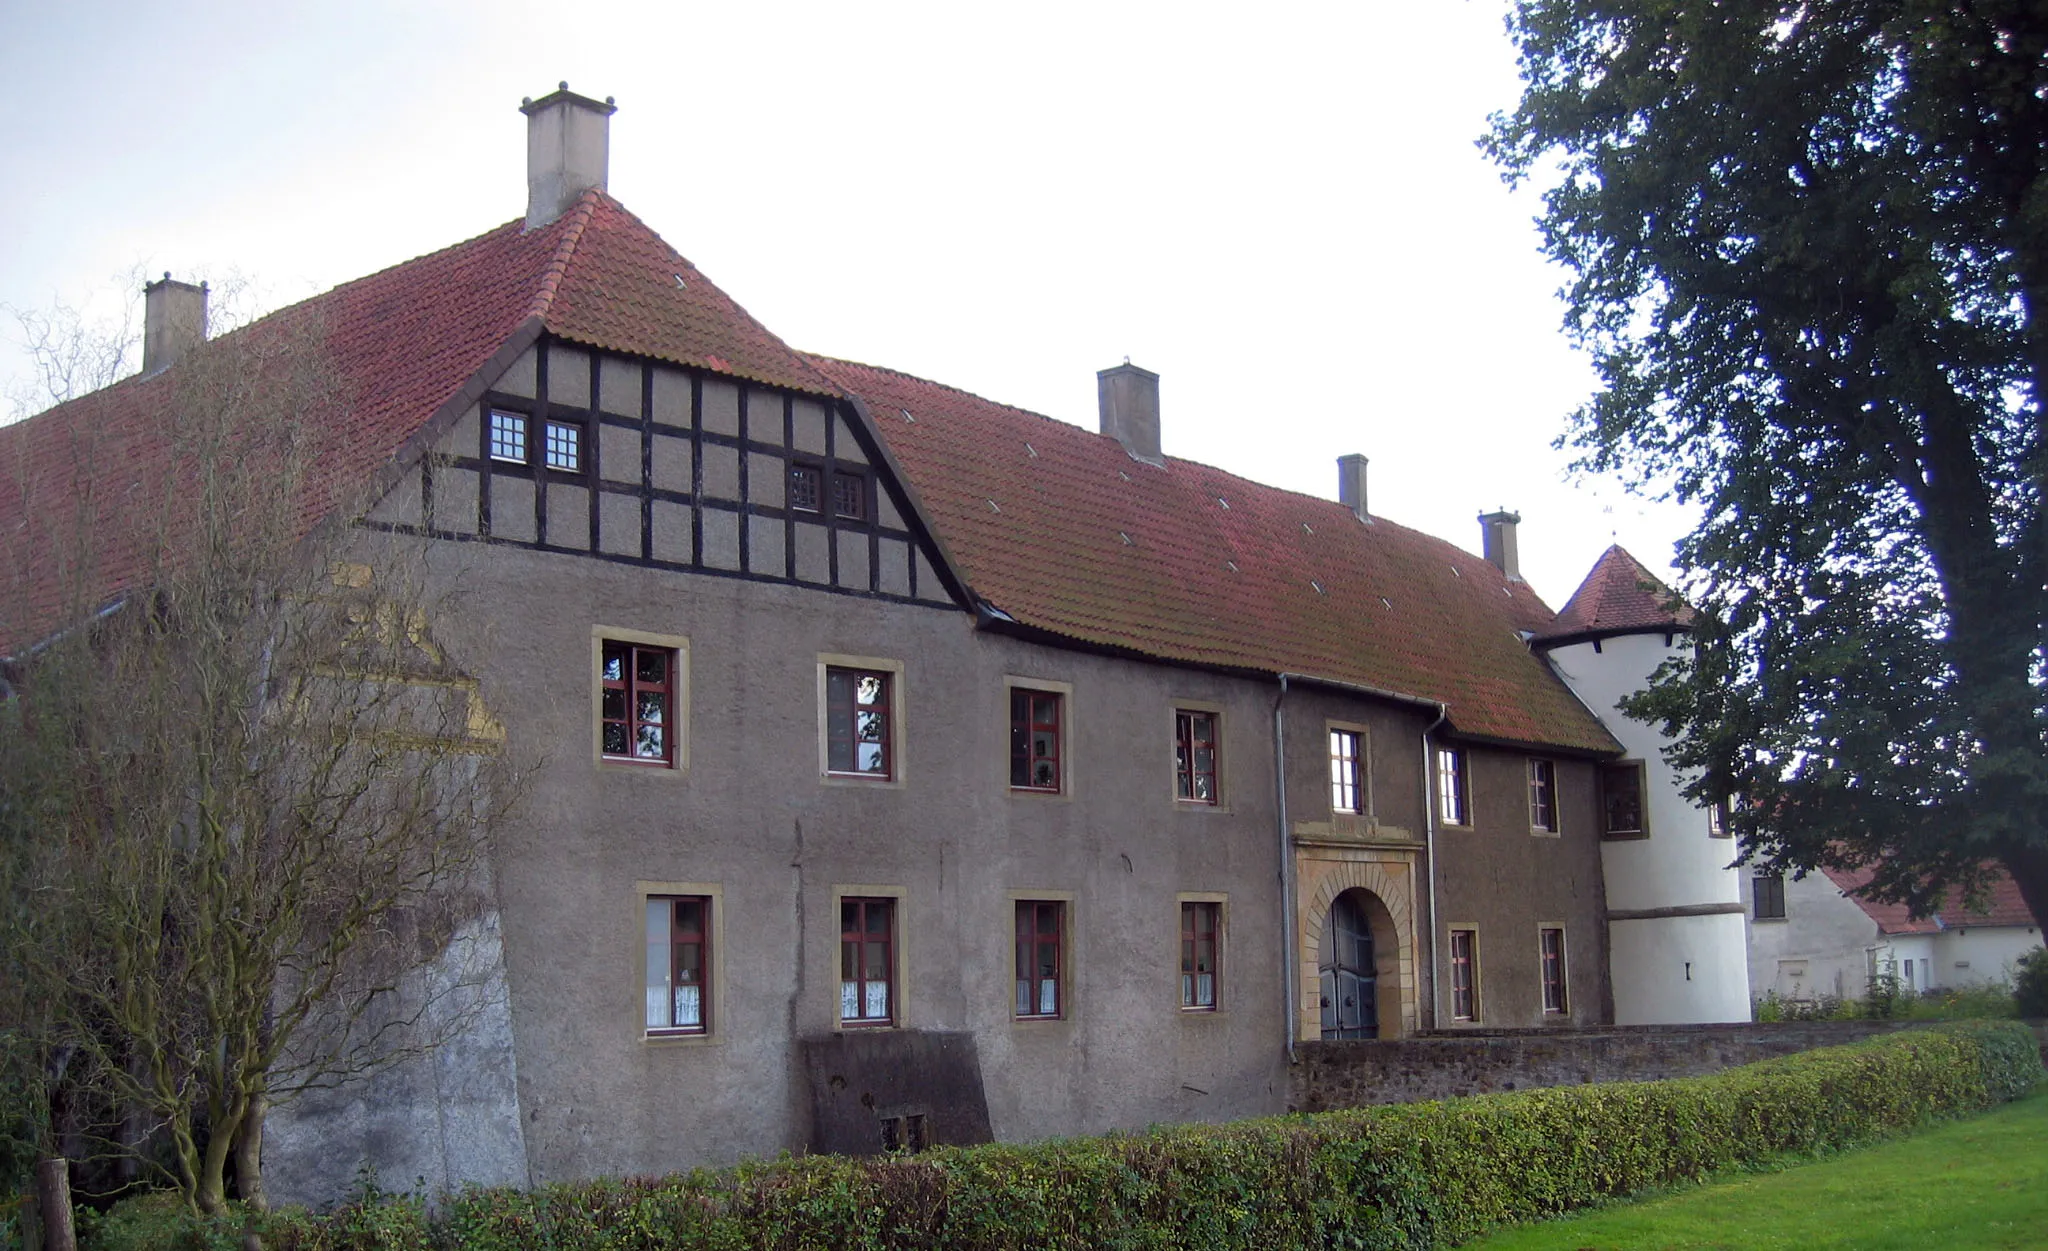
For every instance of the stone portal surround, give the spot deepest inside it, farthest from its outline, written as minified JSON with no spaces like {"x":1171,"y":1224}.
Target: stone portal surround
{"x":1321,"y":874}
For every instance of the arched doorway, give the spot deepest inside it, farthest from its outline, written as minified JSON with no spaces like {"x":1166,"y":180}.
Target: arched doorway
{"x":1350,"y":975}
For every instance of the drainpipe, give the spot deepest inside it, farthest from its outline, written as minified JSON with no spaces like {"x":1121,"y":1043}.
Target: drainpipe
{"x":1290,"y":974}
{"x":1436,"y":998}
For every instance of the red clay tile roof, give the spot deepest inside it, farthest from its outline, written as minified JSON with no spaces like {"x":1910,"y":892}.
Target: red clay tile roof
{"x":2003,"y":906}
{"x":1061,"y":529}
{"x":1619,"y":595}
{"x":1068,"y":534}
{"x":400,"y":343}
{"x":625,"y":289}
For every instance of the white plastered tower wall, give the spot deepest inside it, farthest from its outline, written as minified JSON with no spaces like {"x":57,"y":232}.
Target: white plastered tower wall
{"x":1674,"y":898}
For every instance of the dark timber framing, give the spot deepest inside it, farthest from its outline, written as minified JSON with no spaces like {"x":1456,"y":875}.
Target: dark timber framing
{"x":757,"y":504}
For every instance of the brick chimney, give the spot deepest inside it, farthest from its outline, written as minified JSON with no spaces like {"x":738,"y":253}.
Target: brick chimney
{"x":568,"y":150}
{"x":173,"y":322}
{"x":1129,"y":398}
{"x":1497,"y":531}
{"x":1351,"y":484}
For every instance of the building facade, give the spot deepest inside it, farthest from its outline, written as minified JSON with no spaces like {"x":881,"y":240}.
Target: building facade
{"x":912,"y":768}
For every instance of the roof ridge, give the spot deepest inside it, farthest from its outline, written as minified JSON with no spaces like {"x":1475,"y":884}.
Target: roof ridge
{"x":557,"y":267}
{"x":907,"y":376}
{"x":1377,"y":519}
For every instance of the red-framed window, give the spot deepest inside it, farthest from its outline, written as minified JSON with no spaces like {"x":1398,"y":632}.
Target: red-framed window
{"x":1034,"y":740}
{"x":1452,"y":807}
{"x":1194,"y":756}
{"x":1464,"y":975}
{"x":1198,"y":956}
{"x":806,"y":488}
{"x":858,"y":738}
{"x":1041,"y":958}
{"x":639,"y":703}
{"x":1552,"y":951}
{"x":1347,"y":791}
{"x":678,"y":964}
{"x":867,"y":961}
{"x":1543,"y":796}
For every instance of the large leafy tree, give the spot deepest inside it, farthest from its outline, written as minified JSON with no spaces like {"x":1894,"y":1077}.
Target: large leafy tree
{"x":1808,"y":247}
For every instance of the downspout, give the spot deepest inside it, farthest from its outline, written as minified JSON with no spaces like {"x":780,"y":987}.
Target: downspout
{"x":1436,"y":997}
{"x":1290,"y":976}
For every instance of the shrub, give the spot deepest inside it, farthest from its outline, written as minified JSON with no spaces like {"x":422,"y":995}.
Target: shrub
{"x":2030,"y":984}
{"x":1398,"y":1178}
{"x":1983,"y":1001}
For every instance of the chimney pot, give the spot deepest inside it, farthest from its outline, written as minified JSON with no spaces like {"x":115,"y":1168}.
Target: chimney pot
{"x":173,"y":322}
{"x":568,"y":151}
{"x":1497,"y":532}
{"x":1351,"y":484}
{"x":1129,"y":401}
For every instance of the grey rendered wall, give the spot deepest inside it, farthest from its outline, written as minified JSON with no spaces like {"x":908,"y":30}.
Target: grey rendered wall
{"x":1509,"y":881}
{"x":749,"y":819}
{"x":751,"y":815}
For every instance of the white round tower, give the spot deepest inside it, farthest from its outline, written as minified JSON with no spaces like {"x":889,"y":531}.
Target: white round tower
{"x":1676,"y":952}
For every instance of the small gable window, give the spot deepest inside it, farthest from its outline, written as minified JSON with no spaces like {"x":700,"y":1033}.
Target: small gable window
{"x":564,"y":447}
{"x":850,"y":496}
{"x":508,"y":436}
{"x":806,"y":484}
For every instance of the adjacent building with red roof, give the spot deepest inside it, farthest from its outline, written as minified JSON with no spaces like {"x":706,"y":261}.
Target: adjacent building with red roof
{"x":913,"y":768}
{"x":1815,"y":937}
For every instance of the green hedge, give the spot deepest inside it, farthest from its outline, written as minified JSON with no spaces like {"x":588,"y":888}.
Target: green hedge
{"x":1409,"y":1176}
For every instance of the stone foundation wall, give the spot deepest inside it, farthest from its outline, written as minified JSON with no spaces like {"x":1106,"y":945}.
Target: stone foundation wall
{"x":1442,"y":1066}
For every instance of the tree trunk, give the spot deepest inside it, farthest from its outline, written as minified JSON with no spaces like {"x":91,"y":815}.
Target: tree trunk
{"x":2029,"y":869}
{"x":53,"y":1198}
{"x":211,"y":1191}
{"x":249,"y":1154}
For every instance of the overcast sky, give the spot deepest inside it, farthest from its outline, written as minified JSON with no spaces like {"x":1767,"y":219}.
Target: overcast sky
{"x":1278,"y":208}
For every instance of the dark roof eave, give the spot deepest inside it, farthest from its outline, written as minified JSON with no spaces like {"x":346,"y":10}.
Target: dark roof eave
{"x":996,"y":621}
{"x":1545,"y":642}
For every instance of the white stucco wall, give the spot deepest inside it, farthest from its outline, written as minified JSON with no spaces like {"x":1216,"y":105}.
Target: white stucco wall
{"x":1985,"y":953}
{"x":1679,"y":866}
{"x":1827,"y":945}
{"x":1822,"y":947}
{"x":1676,"y":971}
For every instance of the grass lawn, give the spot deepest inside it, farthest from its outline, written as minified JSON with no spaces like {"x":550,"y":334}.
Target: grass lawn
{"x":1963,"y":1186}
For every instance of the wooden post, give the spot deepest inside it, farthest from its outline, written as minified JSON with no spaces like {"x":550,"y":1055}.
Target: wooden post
{"x":53,"y":1198}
